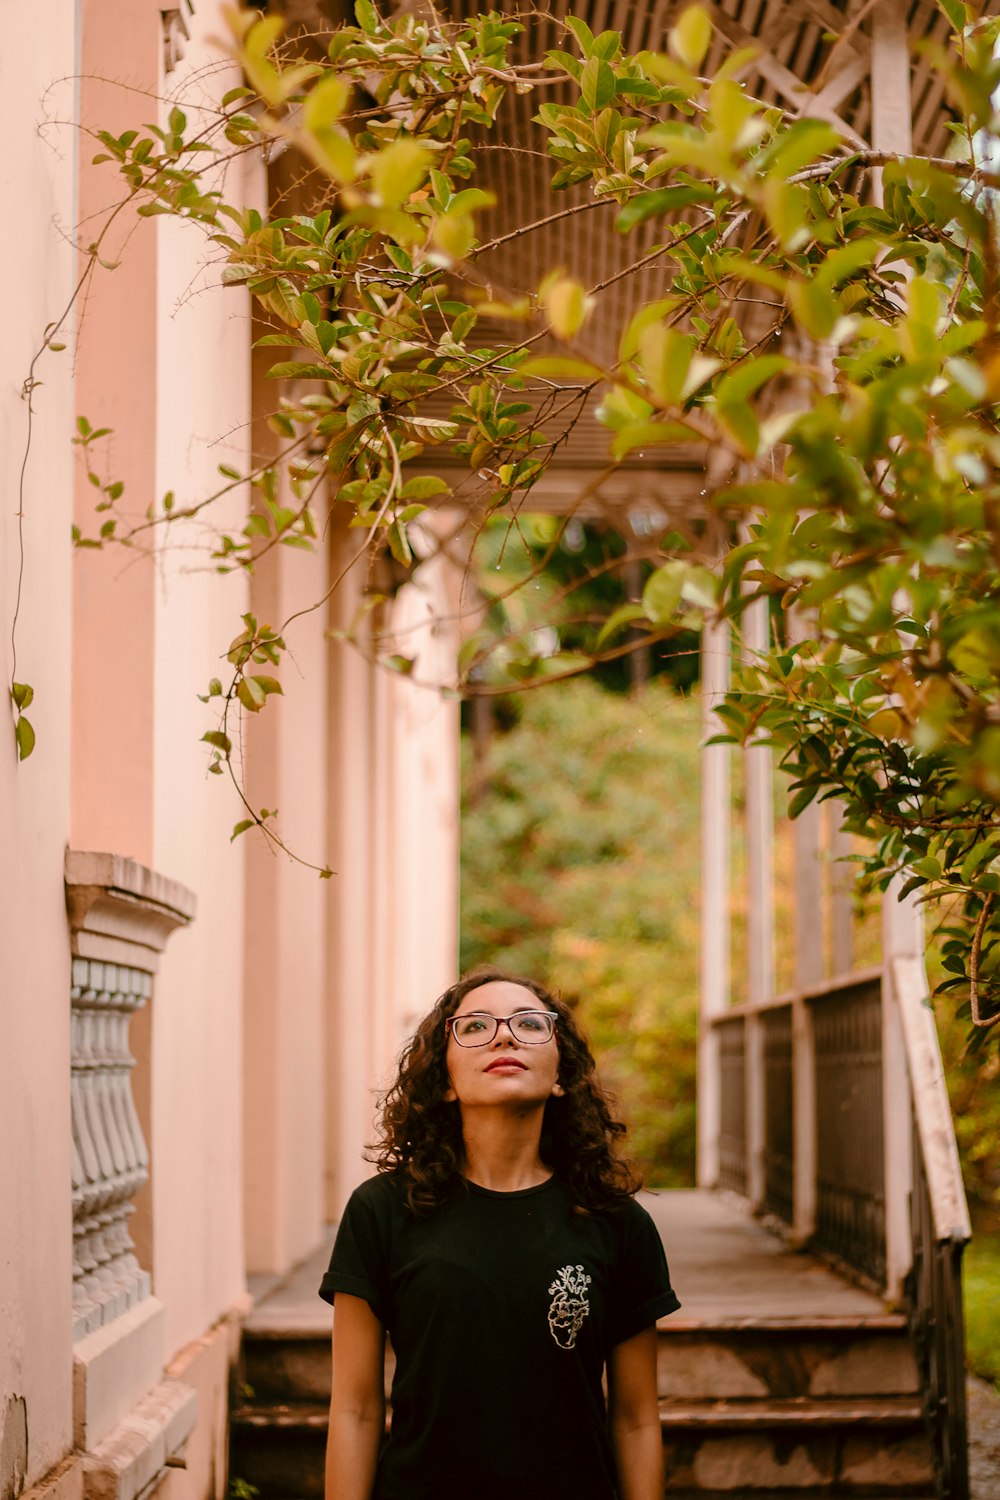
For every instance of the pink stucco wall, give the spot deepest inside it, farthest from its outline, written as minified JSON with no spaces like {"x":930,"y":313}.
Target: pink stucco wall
{"x":36,"y":173}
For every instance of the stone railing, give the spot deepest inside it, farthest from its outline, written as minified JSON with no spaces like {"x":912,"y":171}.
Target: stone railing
{"x":120,"y":917}
{"x":110,"y":1161}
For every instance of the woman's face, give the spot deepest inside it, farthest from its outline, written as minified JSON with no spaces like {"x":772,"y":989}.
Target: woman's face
{"x":505,"y":1071}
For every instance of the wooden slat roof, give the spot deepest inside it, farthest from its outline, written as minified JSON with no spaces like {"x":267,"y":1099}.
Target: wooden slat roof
{"x":813,"y":58}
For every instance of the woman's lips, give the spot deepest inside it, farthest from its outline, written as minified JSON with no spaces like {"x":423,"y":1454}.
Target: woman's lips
{"x":505,"y":1062}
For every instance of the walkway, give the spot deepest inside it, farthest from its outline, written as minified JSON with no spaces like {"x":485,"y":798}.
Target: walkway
{"x":727,"y":1269}
{"x":724,"y":1266}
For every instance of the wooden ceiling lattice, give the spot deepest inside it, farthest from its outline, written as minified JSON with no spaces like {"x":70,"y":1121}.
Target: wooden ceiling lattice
{"x":813,"y":57}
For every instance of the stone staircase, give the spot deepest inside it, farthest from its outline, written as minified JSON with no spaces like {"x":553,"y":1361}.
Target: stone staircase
{"x":781,"y":1383}
{"x":823,"y":1406}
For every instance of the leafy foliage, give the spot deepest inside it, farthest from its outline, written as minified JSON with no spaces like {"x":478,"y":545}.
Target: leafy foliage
{"x":853,"y":412}
{"x":580,"y":866}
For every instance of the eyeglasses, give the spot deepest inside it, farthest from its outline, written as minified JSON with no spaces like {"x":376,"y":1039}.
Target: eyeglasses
{"x":478,"y":1028}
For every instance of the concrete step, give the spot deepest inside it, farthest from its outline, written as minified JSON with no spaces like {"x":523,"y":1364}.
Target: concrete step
{"x":273,"y":1443}
{"x":785,"y":1358}
{"x":753,"y":1448}
{"x":731,"y":1359}
{"x":856,"y":1446}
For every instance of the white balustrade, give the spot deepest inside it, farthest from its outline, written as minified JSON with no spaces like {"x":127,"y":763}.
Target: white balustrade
{"x":110,"y":1161}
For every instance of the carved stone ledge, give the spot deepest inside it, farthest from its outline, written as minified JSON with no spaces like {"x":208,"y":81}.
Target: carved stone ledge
{"x":133,"y":1460}
{"x":120,"y":911}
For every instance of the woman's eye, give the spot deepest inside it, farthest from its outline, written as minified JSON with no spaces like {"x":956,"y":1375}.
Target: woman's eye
{"x":472,"y":1025}
{"x":530,"y":1023}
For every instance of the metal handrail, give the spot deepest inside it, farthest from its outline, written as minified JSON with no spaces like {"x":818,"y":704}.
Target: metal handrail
{"x":939,"y":1219}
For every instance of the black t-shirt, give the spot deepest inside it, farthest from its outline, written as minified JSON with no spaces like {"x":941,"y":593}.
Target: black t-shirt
{"x":502,"y":1309}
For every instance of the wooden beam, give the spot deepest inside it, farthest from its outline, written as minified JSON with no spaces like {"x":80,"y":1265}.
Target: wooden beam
{"x":892,"y":128}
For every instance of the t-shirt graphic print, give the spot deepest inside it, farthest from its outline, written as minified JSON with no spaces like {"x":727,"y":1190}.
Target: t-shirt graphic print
{"x":569,"y":1305}
{"x":502,"y":1309}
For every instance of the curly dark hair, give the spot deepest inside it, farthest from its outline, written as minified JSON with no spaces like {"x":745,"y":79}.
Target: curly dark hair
{"x":420,"y":1132}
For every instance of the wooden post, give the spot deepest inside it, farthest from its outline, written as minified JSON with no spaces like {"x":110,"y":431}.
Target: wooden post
{"x":841,"y":893}
{"x":807,"y":927}
{"x":902,"y":938}
{"x":715,"y":859}
{"x":902,"y":928}
{"x":758,"y":771}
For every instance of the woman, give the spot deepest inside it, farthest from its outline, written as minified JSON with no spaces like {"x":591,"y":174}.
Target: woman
{"x":502,"y":1250}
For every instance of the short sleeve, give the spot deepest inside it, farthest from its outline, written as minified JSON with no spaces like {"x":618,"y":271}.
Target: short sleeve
{"x":359,"y":1265}
{"x":643,"y":1291}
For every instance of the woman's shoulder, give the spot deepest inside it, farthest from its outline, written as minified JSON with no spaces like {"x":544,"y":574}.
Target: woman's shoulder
{"x":628,"y":1219}
{"x":380,"y":1193}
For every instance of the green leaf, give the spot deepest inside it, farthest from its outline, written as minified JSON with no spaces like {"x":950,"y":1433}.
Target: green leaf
{"x":24,"y":736}
{"x":814,"y":307}
{"x":582,"y":32}
{"x":690,"y":37}
{"x":398,"y":170}
{"x":325,"y":103}
{"x":555,"y":368}
{"x":251,"y":694}
{"x":956,"y":12}
{"x":802,"y":143}
{"x":423,"y":487}
{"x":800,"y":801}
{"x":242,"y":827}
{"x":267,"y":685}
{"x":567,"y":304}
{"x":786,"y":205}
{"x":455,"y":233}
{"x":661,"y":201}
{"x":624,"y":615}
{"x":748,"y":377}
{"x":650,"y":435}
{"x":597,"y":84}
{"x":662,"y":593}
{"x":367,"y":16}
{"x":218,"y":739}
{"x":664,"y":357}
{"x":22,"y":694}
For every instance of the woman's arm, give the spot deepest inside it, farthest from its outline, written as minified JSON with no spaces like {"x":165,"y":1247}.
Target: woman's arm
{"x":357,"y":1402}
{"x":635,"y":1417}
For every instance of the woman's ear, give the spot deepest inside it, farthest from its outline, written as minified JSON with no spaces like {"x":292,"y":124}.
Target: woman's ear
{"x":558,"y":1092}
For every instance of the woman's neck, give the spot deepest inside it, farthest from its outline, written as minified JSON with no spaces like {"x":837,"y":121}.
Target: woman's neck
{"x":502,"y":1153}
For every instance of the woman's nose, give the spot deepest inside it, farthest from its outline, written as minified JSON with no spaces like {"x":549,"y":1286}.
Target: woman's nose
{"x":510,"y":1037}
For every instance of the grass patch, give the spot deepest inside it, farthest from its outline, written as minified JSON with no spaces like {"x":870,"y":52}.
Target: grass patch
{"x":982,"y":1306}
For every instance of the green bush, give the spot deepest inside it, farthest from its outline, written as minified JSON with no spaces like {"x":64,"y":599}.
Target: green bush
{"x":982,"y":1307}
{"x":580,"y":866}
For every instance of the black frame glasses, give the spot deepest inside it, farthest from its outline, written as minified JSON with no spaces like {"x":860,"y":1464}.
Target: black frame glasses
{"x":550,"y":1016}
